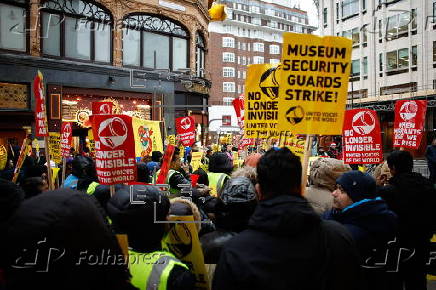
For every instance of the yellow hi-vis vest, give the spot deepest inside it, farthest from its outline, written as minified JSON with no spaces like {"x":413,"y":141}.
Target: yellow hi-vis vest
{"x":151,"y":271}
{"x":167,"y":181}
{"x":216,"y":182}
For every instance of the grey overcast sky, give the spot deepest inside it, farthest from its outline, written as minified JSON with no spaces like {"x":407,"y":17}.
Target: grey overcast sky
{"x":311,"y":10}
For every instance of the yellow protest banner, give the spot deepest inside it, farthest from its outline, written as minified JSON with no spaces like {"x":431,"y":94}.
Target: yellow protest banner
{"x":91,"y":142}
{"x":235,"y":158}
{"x":196,"y":160}
{"x":147,"y":137}
{"x":54,"y":144}
{"x":171,"y":140}
{"x":3,"y":157}
{"x":215,"y":148}
{"x":182,"y":240}
{"x":296,"y":145}
{"x":314,"y":83}
{"x":54,"y":175}
{"x":261,"y":100}
{"x":182,"y":151}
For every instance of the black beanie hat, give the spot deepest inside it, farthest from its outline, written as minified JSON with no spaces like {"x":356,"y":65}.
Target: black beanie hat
{"x":357,"y":185}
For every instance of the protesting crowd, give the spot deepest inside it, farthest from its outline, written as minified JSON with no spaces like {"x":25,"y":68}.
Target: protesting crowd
{"x":258,"y":226}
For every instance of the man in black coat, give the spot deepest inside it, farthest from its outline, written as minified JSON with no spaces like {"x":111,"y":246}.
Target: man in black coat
{"x":287,"y":245}
{"x":413,"y":198}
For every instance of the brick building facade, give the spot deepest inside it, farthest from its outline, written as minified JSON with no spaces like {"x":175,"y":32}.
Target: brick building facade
{"x":252,"y":33}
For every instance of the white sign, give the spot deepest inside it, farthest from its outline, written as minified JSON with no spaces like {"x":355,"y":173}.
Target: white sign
{"x":172,"y":5}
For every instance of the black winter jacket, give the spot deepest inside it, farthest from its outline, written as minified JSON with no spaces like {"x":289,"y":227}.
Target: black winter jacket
{"x":413,"y":198}
{"x":288,"y":246}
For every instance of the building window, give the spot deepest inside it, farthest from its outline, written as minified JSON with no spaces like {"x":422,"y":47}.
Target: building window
{"x":274,"y":49}
{"x":155,"y":42}
{"x":13,"y":23}
{"x":229,"y":57}
{"x":397,"y":25}
{"x":228,"y":101}
{"x":228,"y":72}
{"x":248,"y":46}
{"x":244,"y":75}
{"x":355,"y":36}
{"x":355,"y":68}
{"x":434,"y":51}
{"x":244,"y":46}
{"x":227,"y":28}
{"x":248,"y":60}
{"x":380,"y":61}
{"x":363,"y":5}
{"x":365,"y":34}
{"x":257,"y":59}
{"x":274,"y":61}
{"x":414,"y":15}
{"x":337,"y":13}
{"x":324,"y":16}
{"x":244,"y":60}
{"x":365,"y":66}
{"x":229,"y":42}
{"x":239,"y":89}
{"x":228,"y":87}
{"x":350,"y":8}
{"x":397,"y":59}
{"x":414,"y":55}
{"x":239,"y":60}
{"x":239,"y":74}
{"x":259,"y":47}
{"x":200,"y":53}
{"x":226,"y":120}
{"x":76,"y":29}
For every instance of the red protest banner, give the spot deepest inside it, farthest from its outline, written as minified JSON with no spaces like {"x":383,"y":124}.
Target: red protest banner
{"x":362,"y":137}
{"x":185,"y":127}
{"x":66,"y":138}
{"x":102,"y":108}
{"x":166,"y":161}
{"x":409,"y":123}
{"x":115,"y":148}
{"x":41,"y":129}
{"x":245,"y":142}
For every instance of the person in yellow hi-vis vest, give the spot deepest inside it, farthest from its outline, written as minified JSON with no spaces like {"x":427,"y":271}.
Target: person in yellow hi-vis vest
{"x":220,"y":167}
{"x":140,"y":212}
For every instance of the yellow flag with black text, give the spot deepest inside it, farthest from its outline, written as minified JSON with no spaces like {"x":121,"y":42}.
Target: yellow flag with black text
{"x":261,"y":102}
{"x":314,"y":83}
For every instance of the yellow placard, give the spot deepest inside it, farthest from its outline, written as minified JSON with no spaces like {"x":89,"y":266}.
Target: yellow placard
{"x":3,"y":157}
{"x":294,"y":144}
{"x":261,"y":101}
{"x":182,"y":151}
{"x":314,"y":79}
{"x":182,"y":240}
{"x":171,"y":140}
{"x":54,"y":144}
{"x":147,"y":137}
{"x":215,"y":148}
{"x":235,"y":158}
{"x":196,"y":160}
{"x":54,"y":174}
{"x":91,"y":142}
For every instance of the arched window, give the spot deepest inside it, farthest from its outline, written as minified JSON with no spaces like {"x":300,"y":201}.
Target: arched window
{"x":155,"y":42}
{"x":200,"y":54}
{"x":13,"y":24}
{"x":76,"y":29}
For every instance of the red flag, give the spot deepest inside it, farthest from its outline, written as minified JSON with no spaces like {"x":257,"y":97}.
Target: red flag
{"x":115,"y":148}
{"x":362,"y":137}
{"x":238,"y":104}
{"x":185,"y":127}
{"x":245,"y":142}
{"x":66,"y":138}
{"x":166,"y":161}
{"x":102,"y":108}
{"x":40,"y":114}
{"x":409,"y":123}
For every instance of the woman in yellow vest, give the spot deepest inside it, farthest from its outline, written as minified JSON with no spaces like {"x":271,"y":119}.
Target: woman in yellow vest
{"x":134,"y":212}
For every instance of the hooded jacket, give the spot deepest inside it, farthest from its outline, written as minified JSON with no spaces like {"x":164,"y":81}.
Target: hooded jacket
{"x":288,"y":246}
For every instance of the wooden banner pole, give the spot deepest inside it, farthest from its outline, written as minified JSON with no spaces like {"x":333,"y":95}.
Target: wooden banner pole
{"x":305,"y":163}
{"x":47,"y":157}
